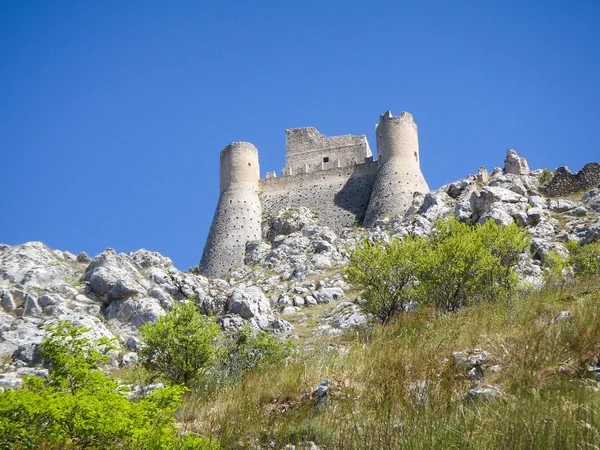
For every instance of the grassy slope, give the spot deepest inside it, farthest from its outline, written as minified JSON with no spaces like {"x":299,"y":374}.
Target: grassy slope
{"x":549,"y":398}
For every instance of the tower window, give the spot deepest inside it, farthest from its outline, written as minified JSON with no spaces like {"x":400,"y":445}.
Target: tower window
{"x":326,"y":159}
{"x":249,"y":164}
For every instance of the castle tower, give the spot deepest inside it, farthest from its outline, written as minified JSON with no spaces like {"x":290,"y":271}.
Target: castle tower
{"x":238,"y":216}
{"x":399,"y":175}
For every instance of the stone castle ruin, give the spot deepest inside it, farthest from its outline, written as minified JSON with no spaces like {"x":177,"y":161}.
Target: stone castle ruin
{"x":336,"y":177}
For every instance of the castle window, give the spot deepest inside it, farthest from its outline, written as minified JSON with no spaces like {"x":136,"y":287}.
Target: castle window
{"x":326,"y":159}
{"x":249,"y":164}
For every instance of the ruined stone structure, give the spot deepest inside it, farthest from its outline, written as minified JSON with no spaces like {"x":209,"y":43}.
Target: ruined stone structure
{"x":334,"y":176}
{"x":566,"y":183}
{"x":238,"y":216}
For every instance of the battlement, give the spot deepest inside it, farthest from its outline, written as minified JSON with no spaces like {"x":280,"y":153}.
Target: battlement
{"x":403,"y":117}
{"x":309,"y":151}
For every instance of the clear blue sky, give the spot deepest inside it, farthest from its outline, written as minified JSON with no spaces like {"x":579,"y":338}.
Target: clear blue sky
{"x":113,"y":113}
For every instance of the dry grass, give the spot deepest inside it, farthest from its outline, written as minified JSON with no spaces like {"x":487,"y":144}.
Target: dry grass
{"x":549,"y":398}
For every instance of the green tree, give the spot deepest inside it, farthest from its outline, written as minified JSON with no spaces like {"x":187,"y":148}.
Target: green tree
{"x":464,"y":264}
{"x":79,"y":407}
{"x":181,"y":346}
{"x":385,"y":275}
{"x":506,"y":244}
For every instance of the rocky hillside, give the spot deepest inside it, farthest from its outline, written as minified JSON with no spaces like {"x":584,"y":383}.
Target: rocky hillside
{"x":291,"y":284}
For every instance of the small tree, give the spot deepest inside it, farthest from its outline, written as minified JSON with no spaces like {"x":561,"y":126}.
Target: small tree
{"x":454,"y":263}
{"x":385,"y":274}
{"x":181,"y":346}
{"x":464,"y":264}
{"x":506,"y":244}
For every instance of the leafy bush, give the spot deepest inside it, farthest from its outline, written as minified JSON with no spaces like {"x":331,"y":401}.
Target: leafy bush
{"x":195,"y":270}
{"x":78,"y":406}
{"x":464,"y":264}
{"x":386,"y":275}
{"x":584,"y":259}
{"x":251,"y":350}
{"x":545,"y":176}
{"x":456,"y":265}
{"x":181,"y":346}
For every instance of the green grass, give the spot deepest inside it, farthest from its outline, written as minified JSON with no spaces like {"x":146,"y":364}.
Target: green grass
{"x":549,"y":399}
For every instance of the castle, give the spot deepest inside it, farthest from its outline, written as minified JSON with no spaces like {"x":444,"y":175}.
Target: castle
{"x":334,"y":176}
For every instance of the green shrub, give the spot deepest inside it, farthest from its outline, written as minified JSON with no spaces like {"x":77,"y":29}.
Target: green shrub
{"x":584,"y":259}
{"x":545,"y":176}
{"x":456,"y":265}
{"x":250,"y":350}
{"x":181,"y":346}
{"x":78,"y":406}
{"x":195,"y":270}
{"x":464,"y":264}
{"x":385,"y":275}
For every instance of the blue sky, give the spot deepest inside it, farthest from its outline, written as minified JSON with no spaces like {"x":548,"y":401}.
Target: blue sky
{"x":112,"y":114}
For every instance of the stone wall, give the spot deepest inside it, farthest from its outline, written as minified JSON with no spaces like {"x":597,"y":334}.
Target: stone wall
{"x":566,"y":183}
{"x":307,"y":151}
{"x":339,"y":196}
{"x":238,"y":216}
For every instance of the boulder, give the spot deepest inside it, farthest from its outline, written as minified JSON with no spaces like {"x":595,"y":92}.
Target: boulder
{"x":327,"y":295}
{"x":113,"y":277}
{"x":248,"y":303}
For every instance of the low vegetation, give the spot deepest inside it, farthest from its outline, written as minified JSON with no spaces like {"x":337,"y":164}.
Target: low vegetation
{"x":545,"y":176}
{"x":457,"y":265}
{"x":399,"y":386}
{"x":80,"y":407}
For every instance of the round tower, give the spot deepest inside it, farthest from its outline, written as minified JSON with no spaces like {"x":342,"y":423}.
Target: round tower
{"x":399,"y":175}
{"x":237,"y":219}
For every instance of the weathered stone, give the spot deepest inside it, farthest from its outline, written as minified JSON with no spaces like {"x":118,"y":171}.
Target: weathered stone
{"x":515,"y":164}
{"x":564,"y":182}
{"x":327,"y":295}
{"x":248,"y":303}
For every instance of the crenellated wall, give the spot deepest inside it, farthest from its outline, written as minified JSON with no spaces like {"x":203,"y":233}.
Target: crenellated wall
{"x":338,"y":196}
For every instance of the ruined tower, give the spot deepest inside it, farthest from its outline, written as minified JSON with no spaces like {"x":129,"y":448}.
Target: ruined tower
{"x":237,"y":219}
{"x":399,"y":175}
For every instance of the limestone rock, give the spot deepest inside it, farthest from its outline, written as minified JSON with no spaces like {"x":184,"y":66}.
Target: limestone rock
{"x":515,"y":164}
{"x":34,"y":266}
{"x":290,"y":220}
{"x":592,"y":200}
{"x":327,"y":295}
{"x":113,"y":277}
{"x":249,"y":303}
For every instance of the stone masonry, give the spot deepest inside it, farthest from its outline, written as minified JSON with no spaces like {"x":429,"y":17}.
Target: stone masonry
{"x":334,"y":176}
{"x":566,"y":183}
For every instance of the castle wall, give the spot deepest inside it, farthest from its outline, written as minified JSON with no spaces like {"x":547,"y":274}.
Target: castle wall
{"x":237,"y":219}
{"x":339,"y":196}
{"x":307,"y":150}
{"x":566,"y":183}
{"x":399,"y":175}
